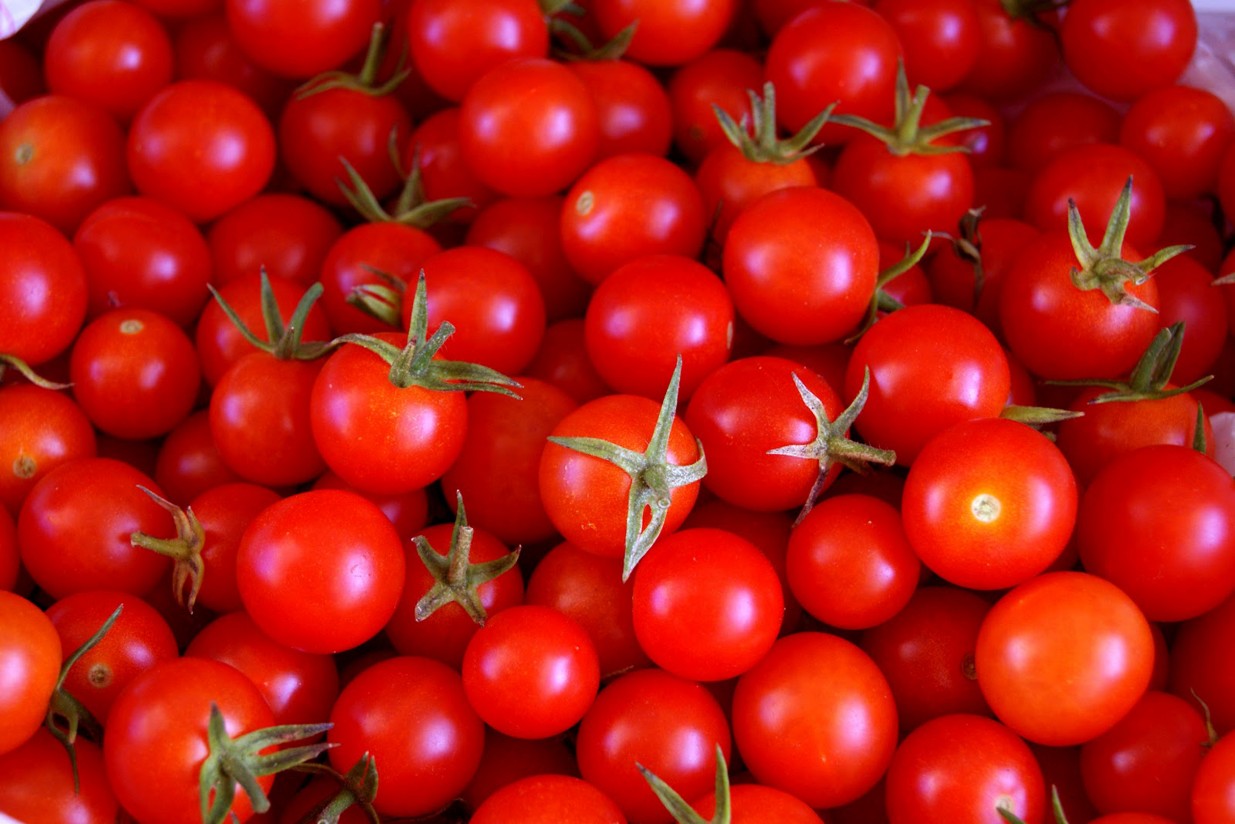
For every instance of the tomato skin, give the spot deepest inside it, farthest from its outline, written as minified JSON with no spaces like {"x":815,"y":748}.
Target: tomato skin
{"x":157,"y":733}
{"x":849,"y":563}
{"x":201,"y":147}
{"x":789,"y":283}
{"x":60,"y":157}
{"x":964,"y":768}
{"x":1211,"y":791}
{"x":545,"y":799}
{"x":1147,"y":762}
{"x":816,"y":718}
{"x":706,"y":604}
{"x":206,"y":49}
{"x":411,"y":715}
{"x":297,"y":39}
{"x":531,"y":672}
{"x":506,"y":760}
{"x":497,"y":471}
{"x":651,"y":311}
{"x":116,"y":54}
{"x":941,"y":39}
{"x":138,"y":640}
{"x":669,"y":725}
{"x":1014,"y":55}
{"x":42,"y":429}
{"x":299,"y":687}
{"x":668,"y":34}
{"x":379,"y":437}
{"x":589,"y":588}
{"x":1060,"y":332}
{"x":732,"y":413}
{"x":926,"y":653}
{"x":720,"y":77}
{"x":30,"y":656}
{"x":905,"y":409}
{"x":528,"y":127}
{"x":626,"y":207}
{"x":586,"y":497}
{"x":327,"y":547}
{"x":1182,"y":133}
{"x":729,"y":181}
{"x":286,"y":234}
{"x":1062,"y":657}
{"x":36,"y":783}
{"x":632,"y":105}
{"x":1156,"y":521}
{"x":833,"y":52}
{"x":452,"y":45}
{"x":1122,"y":51}
{"x":978,"y":524}
{"x":39,"y":263}
{"x":904,"y":196}
{"x":75,"y":524}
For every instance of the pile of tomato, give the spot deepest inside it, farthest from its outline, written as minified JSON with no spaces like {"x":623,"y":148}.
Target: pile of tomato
{"x":616,"y":410}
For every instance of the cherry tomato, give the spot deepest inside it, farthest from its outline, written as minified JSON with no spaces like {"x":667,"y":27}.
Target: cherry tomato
{"x":31,"y":654}
{"x":297,"y":39}
{"x":546,"y":799}
{"x":668,"y":33}
{"x":1121,"y":50}
{"x":42,"y":429}
{"x":42,"y":289}
{"x":38,"y":782}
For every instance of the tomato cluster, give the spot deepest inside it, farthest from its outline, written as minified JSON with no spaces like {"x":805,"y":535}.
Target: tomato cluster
{"x":615,"y":410}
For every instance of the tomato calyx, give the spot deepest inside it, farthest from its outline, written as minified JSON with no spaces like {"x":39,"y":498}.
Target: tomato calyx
{"x":455,"y":578}
{"x":22,"y":368}
{"x":677,"y":806}
{"x":1150,"y":378}
{"x":365,"y":80}
{"x":755,"y":136}
{"x":907,"y":135}
{"x":1056,"y":810}
{"x":576,"y":45}
{"x":410,"y":208}
{"x":283,"y":341}
{"x":881,"y":300}
{"x":652,"y":477}
{"x":356,"y":789}
{"x":1103,"y":267}
{"x":233,"y":761}
{"x":832,"y":443}
{"x":66,"y":716}
{"x":185,"y":549}
{"x":416,"y":363}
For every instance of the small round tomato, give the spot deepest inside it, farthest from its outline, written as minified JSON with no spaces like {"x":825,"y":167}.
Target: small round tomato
{"x":723,"y":78}
{"x":1064,"y":656}
{"x":1123,"y":50}
{"x":989,"y":503}
{"x":39,"y":783}
{"x":42,"y":289}
{"x":546,"y":799}
{"x":42,"y":429}
{"x":707,"y":604}
{"x":1212,"y":795}
{"x":30,"y":656}
{"x":202,"y":147}
{"x":632,"y":104}
{"x":964,"y":768}
{"x":288,"y":235}
{"x":410,"y":714}
{"x":331,"y":549}
{"x":849,"y":563}
{"x":667,"y":33}
{"x":1182,"y":133}
{"x":531,"y":672}
{"x":816,"y":718}
{"x":299,"y":39}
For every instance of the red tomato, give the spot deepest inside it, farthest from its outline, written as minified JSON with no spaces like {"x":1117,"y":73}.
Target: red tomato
{"x":629,"y":206}
{"x":330,"y":548}
{"x":1064,"y":656}
{"x":1015,"y":54}
{"x":1182,"y":133}
{"x":201,"y":147}
{"x":849,"y":563}
{"x":115,"y":54}
{"x":42,"y":289}
{"x":1157,"y":521}
{"x":632,"y":105}
{"x":433,"y":149}
{"x":1197,"y":673}
{"x":287,"y":235}
{"x":30,"y":656}
{"x":652,"y":310}
{"x":669,"y":725}
{"x":138,"y":640}
{"x":930,"y":367}
{"x":206,"y":49}
{"x":548,"y":799}
{"x":75,"y":528}
{"x":42,"y":429}
{"x":1212,"y":789}
{"x":816,"y":718}
{"x":1055,"y":121}
{"x":723,"y":78}
{"x":989,"y":503}
{"x":707,"y":604}
{"x":941,"y":38}
{"x":531,"y":672}
{"x":926,"y":653}
{"x":528,"y":126}
{"x":157,"y":732}
{"x":964,"y":768}
{"x":1123,"y":50}
{"x":60,"y":157}
{"x":411,"y":716}
{"x":668,"y":33}
{"x":38,"y":782}
{"x":298,"y":39}
{"x":507,"y":760}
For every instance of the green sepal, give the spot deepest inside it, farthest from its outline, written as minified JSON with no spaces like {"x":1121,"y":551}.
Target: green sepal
{"x":757,"y":137}
{"x":282,"y":341}
{"x":881,"y":301}
{"x":455,"y":578}
{"x":185,"y":549}
{"x":22,"y":368}
{"x":678,"y":807}
{"x":364,"y":81}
